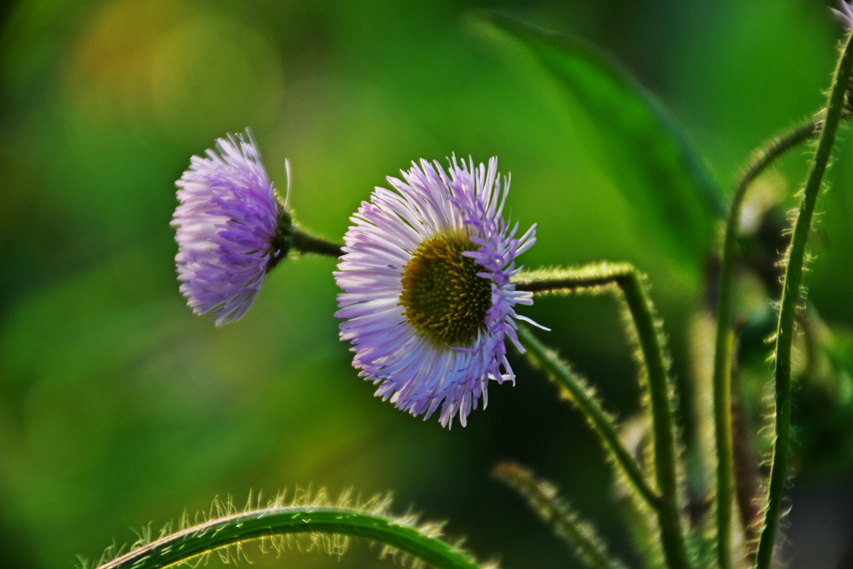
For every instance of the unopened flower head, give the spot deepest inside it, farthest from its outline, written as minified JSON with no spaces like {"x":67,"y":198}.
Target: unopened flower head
{"x":230,"y":228}
{"x":427,"y":302}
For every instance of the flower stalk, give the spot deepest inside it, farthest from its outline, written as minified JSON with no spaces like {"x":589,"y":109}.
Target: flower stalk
{"x":307,"y":243}
{"x":724,"y":338}
{"x":197,"y":540}
{"x":631,"y":283}
{"x":583,"y":397}
{"x":291,"y":238}
{"x":790,"y":301}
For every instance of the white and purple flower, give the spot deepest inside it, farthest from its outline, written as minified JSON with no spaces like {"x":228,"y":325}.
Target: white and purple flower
{"x":427,"y":301}
{"x":227,"y":228}
{"x":845,"y":15}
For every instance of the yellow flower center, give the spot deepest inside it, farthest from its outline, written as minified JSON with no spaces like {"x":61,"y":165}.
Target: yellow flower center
{"x":444,"y":298}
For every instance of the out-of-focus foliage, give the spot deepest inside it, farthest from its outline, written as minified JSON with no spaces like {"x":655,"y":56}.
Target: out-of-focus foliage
{"x":119,"y":407}
{"x":663,"y":177}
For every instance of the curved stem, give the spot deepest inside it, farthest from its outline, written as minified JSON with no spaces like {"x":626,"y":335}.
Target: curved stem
{"x":790,"y":300}
{"x":724,"y":339}
{"x":221,"y":532}
{"x":631,"y":283}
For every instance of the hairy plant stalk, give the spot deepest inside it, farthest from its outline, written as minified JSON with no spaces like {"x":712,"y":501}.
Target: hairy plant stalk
{"x":724,"y":338}
{"x":543,"y":498}
{"x":583,"y":397}
{"x":790,"y":301}
{"x":649,"y":338}
{"x":747,"y":483}
{"x":229,"y":530}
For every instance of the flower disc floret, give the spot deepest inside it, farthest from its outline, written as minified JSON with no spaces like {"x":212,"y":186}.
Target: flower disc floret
{"x":427,"y":301}
{"x":443,"y":298}
{"x":227,"y":228}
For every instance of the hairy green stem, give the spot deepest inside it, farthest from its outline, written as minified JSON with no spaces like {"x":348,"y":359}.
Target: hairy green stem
{"x":790,"y":300}
{"x":631,"y":283}
{"x":724,"y":339}
{"x":748,"y":489}
{"x":542,"y":497}
{"x":602,"y":424}
{"x":229,"y":530}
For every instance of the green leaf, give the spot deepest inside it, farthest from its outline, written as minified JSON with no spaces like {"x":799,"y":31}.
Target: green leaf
{"x":637,"y":142}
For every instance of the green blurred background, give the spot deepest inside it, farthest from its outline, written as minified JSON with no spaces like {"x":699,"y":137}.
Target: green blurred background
{"x":120,"y":408}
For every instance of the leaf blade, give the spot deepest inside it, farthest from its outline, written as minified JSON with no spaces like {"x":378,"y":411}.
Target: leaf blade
{"x":638,"y":143}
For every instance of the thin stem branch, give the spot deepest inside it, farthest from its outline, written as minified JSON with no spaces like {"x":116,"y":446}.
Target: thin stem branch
{"x":790,"y":301}
{"x":581,"y":396}
{"x":632,"y":284}
{"x":724,"y":338}
{"x":307,"y":243}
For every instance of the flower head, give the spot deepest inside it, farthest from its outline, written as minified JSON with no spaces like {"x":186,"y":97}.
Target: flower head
{"x":229,"y":228}
{"x":845,"y":15}
{"x":427,"y":302}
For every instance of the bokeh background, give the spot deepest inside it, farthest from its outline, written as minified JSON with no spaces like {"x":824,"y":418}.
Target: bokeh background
{"x":119,"y":408}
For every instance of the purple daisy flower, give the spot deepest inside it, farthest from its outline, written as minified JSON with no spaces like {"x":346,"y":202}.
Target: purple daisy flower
{"x":845,"y":15}
{"x":227,"y":228}
{"x":427,"y":301}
